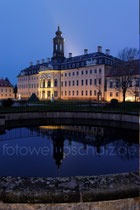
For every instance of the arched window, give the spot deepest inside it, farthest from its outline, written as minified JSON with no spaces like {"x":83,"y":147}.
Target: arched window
{"x":43,"y":83}
{"x":55,"y":83}
{"x":49,"y":83}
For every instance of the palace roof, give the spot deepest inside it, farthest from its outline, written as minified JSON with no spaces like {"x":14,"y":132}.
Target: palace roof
{"x":97,"y":58}
{"x":127,"y":68}
{"x":5,"y":83}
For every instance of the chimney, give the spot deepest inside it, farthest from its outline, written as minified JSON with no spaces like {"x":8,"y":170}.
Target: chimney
{"x":42,"y":61}
{"x":48,"y":60}
{"x":85,"y":51}
{"x":107,"y":52}
{"x":31,"y":63}
{"x":70,"y":55}
{"x":131,"y":58}
{"x":99,"y":48}
{"x":37,"y":62}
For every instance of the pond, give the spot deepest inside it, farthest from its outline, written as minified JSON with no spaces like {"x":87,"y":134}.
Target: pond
{"x":68,"y":150}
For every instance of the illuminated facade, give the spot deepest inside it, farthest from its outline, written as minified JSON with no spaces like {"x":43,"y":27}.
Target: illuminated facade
{"x":123,"y":82}
{"x":6,"y":89}
{"x":81,"y":77}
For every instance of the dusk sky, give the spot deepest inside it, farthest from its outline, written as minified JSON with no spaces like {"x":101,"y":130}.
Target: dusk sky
{"x":27,"y":28}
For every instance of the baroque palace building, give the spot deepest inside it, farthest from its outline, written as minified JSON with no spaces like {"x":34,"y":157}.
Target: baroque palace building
{"x":82,"y":77}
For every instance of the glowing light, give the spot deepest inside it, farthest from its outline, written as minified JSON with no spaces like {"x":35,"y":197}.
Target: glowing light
{"x":130,"y":98}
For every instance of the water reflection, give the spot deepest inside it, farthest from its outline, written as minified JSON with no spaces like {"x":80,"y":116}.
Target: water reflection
{"x":76,"y":150}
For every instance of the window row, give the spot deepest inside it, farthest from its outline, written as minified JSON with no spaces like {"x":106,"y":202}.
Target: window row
{"x":28,"y":86}
{"x":77,"y":93}
{"x":55,"y":94}
{"x":82,"y":82}
{"x":5,"y":90}
{"x":113,"y":95}
{"x":118,"y":84}
{"x":9,"y":95}
{"x":28,"y":94}
{"x":27,"y":78}
{"x":47,"y":83}
{"x":85,"y":72}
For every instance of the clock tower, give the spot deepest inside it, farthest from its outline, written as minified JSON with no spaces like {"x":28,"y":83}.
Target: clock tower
{"x":58,"y":46}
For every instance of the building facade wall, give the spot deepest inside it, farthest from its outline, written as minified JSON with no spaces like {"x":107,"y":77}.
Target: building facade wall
{"x":6,"y":92}
{"x":86,"y":83}
{"x":49,"y":85}
{"x":132,"y":92}
{"x":27,"y":85}
{"x":83,"y":83}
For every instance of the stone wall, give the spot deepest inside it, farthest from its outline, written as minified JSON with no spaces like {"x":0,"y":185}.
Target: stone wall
{"x":131,"y":118}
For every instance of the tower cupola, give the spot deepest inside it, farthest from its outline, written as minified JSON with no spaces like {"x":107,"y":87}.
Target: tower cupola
{"x":58,"y":46}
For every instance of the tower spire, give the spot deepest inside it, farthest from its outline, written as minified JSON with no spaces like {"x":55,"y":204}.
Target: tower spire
{"x":58,"y":45}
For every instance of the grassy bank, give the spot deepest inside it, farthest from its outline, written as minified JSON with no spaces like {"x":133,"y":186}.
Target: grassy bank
{"x":72,"y":106}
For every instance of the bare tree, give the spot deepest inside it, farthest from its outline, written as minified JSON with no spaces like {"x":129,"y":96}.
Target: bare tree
{"x":127,"y":53}
{"x":122,"y":83}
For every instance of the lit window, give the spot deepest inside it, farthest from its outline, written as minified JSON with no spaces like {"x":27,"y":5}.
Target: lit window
{"x":49,"y":83}
{"x":55,"y":83}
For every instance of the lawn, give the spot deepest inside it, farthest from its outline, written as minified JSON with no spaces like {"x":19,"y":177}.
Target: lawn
{"x":73,"y":106}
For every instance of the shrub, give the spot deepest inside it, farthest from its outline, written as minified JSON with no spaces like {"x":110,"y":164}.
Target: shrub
{"x":114,"y":101}
{"x":7,"y":102}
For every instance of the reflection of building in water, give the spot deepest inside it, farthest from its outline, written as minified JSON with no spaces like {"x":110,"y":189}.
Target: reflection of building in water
{"x":58,"y":148}
{"x":88,"y":130}
{"x":88,"y":135}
